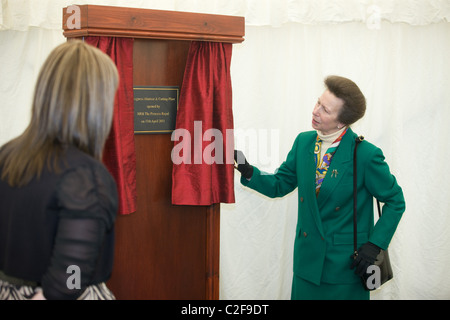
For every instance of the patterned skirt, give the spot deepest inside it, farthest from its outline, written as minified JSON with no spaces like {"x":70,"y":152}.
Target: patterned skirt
{"x":10,"y":291}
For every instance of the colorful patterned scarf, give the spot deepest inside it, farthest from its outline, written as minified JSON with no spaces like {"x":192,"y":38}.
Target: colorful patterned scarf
{"x":323,"y":164}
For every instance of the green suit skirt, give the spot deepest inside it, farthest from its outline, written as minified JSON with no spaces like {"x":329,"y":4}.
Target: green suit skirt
{"x":305,"y":290}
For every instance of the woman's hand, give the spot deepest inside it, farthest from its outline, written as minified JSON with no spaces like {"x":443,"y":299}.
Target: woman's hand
{"x":38,"y":296}
{"x":366,"y":256}
{"x":243,"y":166}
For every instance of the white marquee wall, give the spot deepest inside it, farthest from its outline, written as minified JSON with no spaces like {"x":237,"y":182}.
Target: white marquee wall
{"x":397,"y":52}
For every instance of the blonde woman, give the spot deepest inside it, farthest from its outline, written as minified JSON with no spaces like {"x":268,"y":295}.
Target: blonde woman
{"x":58,"y":202}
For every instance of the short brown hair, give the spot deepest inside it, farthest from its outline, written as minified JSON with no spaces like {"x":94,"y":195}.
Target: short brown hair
{"x":354,"y":101}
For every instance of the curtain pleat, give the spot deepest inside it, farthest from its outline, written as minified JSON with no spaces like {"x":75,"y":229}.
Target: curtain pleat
{"x":119,"y":154}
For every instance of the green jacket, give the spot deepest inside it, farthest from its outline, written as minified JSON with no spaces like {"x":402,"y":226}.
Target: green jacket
{"x":324,"y":235}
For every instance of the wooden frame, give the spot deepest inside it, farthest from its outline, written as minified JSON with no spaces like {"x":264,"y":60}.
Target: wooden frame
{"x":155,"y":24}
{"x":162,"y":251}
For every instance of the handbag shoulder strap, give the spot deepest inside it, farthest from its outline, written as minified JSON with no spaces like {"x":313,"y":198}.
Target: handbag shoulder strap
{"x":355,"y":229}
{"x":355,"y":202}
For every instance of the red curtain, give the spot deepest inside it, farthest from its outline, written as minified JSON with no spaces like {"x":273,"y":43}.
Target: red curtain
{"x":203,"y":169}
{"x":119,"y":155}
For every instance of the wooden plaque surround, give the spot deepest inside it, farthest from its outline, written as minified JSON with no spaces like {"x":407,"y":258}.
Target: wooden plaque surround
{"x":162,"y":251}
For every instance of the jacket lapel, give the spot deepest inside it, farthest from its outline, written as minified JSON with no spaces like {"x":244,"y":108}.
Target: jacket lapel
{"x":340,"y":164}
{"x":308,"y":175}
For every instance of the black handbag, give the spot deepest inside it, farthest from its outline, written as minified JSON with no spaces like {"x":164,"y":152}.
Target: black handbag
{"x":375,"y":278}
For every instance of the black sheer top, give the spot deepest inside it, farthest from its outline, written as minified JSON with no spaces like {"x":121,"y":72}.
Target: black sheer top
{"x":60,"y":223}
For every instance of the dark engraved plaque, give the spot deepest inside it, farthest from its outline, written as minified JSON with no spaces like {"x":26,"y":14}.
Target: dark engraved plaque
{"x":155,"y":109}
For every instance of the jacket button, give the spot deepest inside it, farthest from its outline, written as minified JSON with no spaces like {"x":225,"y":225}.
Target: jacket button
{"x":305,"y":234}
{"x":337,"y":208}
{"x":301,"y":199}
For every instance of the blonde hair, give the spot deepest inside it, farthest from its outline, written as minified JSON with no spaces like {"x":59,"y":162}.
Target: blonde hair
{"x":73,"y":105}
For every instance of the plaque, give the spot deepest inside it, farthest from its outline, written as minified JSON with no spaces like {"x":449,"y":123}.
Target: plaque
{"x":155,"y":109}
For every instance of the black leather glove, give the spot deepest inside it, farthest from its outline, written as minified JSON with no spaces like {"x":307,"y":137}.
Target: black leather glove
{"x":366,"y":257}
{"x":243,"y":166}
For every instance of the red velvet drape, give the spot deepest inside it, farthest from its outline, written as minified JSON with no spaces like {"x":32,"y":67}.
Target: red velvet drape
{"x":119,"y":154}
{"x":204,"y":141}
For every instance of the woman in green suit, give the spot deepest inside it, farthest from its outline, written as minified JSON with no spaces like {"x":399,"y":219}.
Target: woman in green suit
{"x":320,"y":165}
